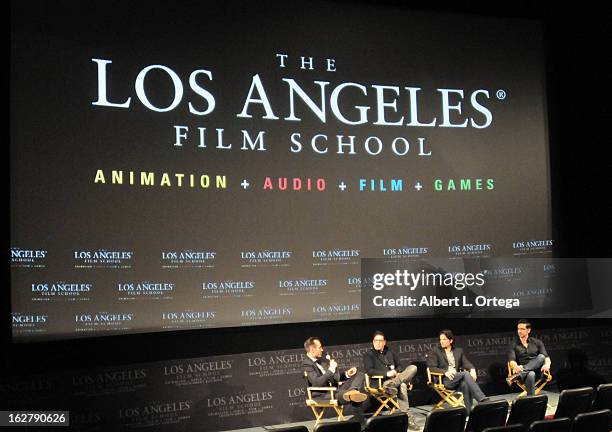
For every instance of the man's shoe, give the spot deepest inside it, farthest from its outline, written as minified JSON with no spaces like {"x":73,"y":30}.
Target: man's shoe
{"x":354,"y":396}
{"x":512,"y":378}
{"x":391,"y":391}
{"x":412,"y":424}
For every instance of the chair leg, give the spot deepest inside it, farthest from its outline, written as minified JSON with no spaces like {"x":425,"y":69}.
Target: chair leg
{"x":339,"y":411}
{"x":318,"y":414}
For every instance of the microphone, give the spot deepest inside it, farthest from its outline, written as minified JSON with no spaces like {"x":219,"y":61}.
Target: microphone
{"x":328,"y":357}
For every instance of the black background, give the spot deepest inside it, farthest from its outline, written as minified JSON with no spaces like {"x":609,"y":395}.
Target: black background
{"x":577,"y":56}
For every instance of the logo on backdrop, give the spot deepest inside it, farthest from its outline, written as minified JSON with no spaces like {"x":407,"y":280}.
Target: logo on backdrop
{"x":335,"y":256}
{"x":188,"y":319}
{"x":336,"y":310}
{"x":227,"y":289}
{"x":188,"y":259}
{"x":197,"y":372}
{"x":61,"y":291}
{"x":145,"y":290}
{"x":268,"y":314}
{"x":103,"y":258}
{"x":240,"y":404}
{"x":110,"y":381}
{"x":265,"y":365}
{"x":29,"y":324}
{"x":532,"y":246}
{"x":405,"y":252}
{"x":28,"y":258}
{"x":303,"y":286}
{"x":158,"y":413}
{"x":265,"y":258}
{"x":482,"y":250}
{"x":103,"y":321}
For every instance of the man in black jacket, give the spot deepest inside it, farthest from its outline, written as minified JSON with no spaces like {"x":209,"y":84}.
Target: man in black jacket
{"x":450,"y":360}
{"x":324,"y":372}
{"x":382,"y":361}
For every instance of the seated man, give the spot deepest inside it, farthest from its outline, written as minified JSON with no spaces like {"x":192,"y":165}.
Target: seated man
{"x":324,"y":372}
{"x":449,"y":360}
{"x":527,"y":357}
{"x":380,"y":360}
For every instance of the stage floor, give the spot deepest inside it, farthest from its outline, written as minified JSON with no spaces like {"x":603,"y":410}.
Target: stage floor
{"x":420,"y":413}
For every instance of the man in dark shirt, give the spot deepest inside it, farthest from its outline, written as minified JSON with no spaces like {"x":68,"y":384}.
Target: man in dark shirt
{"x":528,"y":357}
{"x":380,"y":360}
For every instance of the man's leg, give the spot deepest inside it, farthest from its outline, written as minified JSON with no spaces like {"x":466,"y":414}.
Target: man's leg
{"x":404,"y":376}
{"x":352,"y":389}
{"x":531,"y":371}
{"x":529,"y":378}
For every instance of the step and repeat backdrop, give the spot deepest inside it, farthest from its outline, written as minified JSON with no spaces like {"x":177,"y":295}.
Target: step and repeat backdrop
{"x":267,"y":388}
{"x":191,"y":165}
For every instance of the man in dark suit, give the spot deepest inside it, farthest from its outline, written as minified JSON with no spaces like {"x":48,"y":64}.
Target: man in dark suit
{"x":450,"y":360}
{"x":324,"y":372}
{"x":382,"y":361}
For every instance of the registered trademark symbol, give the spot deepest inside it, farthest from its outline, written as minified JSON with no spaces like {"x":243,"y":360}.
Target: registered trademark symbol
{"x":501,"y":94}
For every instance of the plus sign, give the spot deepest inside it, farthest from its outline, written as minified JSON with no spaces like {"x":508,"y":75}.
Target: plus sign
{"x":418,"y":186}
{"x":245,"y":184}
{"x":342,"y":186}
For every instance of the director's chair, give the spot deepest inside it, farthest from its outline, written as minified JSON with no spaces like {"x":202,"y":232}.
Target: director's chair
{"x":320,"y":404}
{"x":379,"y":393}
{"x":545,"y":378}
{"x":434,"y":380}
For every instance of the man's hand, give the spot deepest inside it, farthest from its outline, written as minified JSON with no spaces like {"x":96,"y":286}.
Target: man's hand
{"x":517,"y":369}
{"x":352,"y":371}
{"x":450,"y":375}
{"x":333,"y":365}
{"x":546,"y":368}
{"x":473,"y":374}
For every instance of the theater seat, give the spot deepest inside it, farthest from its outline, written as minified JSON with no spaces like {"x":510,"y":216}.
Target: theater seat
{"x":528,"y":409}
{"x":449,"y":420}
{"x":554,"y":425}
{"x":596,"y":421}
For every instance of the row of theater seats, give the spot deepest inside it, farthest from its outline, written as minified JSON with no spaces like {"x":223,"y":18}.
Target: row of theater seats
{"x":578,"y":410}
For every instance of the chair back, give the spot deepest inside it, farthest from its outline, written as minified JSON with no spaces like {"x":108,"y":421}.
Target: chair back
{"x":573,"y":402}
{"x":555,"y":425}
{"x":507,"y":428}
{"x":487,"y":414}
{"x":446,"y":420}
{"x":528,"y":409}
{"x":345,"y":426}
{"x":292,"y":429}
{"x":595,"y":421}
{"x":603,"y":397}
{"x":397,"y":422}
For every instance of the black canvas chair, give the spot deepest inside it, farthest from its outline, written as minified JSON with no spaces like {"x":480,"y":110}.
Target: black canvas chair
{"x":397,"y":422}
{"x":554,"y":425}
{"x":345,"y":426}
{"x":595,"y":421}
{"x":528,"y":409}
{"x":573,"y":402}
{"x":603,"y":397}
{"x":507,"y":428}
{"x":487,"y":414}
{"x":449,"y":420}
